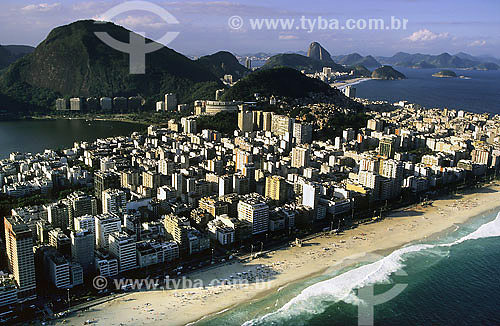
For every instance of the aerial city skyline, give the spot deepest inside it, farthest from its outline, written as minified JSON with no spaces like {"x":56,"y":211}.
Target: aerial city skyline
{"x":284,"y":163}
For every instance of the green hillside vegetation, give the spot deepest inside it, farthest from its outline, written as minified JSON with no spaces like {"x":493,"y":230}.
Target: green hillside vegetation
{"x":5,"y":57}
{"x":10,"y":53}
{"x":357,"y":59}
{"x":424,"y":65}
{"x":361,"y":71}
{"x":387,"y":73}
{"x":223,"y":63}
{"x":224,"y":122}
{"x":487,"y":66}
{"x":443,"y":60}
{"x":445,"y":73}
{"x":338,"y":122}
{"x":300,"y":62}
{"x":284,"y":82}
{"x":72,"y":61}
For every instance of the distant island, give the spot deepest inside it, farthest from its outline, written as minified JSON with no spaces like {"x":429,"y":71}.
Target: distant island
{"x":444,"y":60}
{"x":445,"y":74}
{"x":387,"y":73}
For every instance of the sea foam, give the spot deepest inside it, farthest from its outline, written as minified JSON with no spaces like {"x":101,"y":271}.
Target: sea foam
{"x":315,"y":298}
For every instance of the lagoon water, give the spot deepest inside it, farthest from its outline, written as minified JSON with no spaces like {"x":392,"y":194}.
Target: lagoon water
{"x":451,"y":281}
{"x":37,"y":135}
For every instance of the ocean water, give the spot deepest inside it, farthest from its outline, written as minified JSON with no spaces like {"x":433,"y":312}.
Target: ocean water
{"x":480,"y":93}
{"x":453,"y":280}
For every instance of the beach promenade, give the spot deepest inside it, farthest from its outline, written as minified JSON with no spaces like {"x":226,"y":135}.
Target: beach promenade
{"x":323,"y":254}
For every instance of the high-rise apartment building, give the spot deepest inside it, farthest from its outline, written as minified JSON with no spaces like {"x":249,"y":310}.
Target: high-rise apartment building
{"x":242,"y":158}
{"x":123,"y":247}
{"x":170,"y":102}
{"x":151,"y":179}
{"x":302,"y":132}
{"x":281,"y":124}
{"x":245,"y":119}
{"x":300,"y":157}
{"x":82,"y":249}
{"x":177,"y":227}
{"x":80,"y":204}
{"x":20,"y":257}
{"x":103,"y":181}
{"x":105,"y":224}
{"x":386,"y":147}
{"x":213,"y":206}
{"x":188,"y":125}
{"x":267,"y":121}
{"x":85,"y":222}
{"x":254,"y":209}
{"x":114,"y":201}
{"x":276,"y":188}
{"x":60,"y":241}
{"x":58,"y":215}
{"x":248,"y":63}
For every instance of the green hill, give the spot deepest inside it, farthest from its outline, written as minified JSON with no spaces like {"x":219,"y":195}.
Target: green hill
{"x":19,"y":50}
{"x":10,"y":53}
{"x":443,"y":60}
{"x":300,"y":62}
{"x":360,"y":71}
{"x":72,"y":61}
{"x":487,"y":66}
{"x":288,"y":83}
{"x":445,"y":74}
{"x":223,"y":63}
{"x":357,"y":59}
{"x":423,"y":65}
{"x":6,"y":57}
{"x":387,"y":73}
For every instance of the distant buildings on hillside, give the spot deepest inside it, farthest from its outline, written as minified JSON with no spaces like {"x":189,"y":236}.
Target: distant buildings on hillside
{"x":103,"y":104}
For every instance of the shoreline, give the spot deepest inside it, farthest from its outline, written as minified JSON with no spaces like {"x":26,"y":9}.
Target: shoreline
{"x":320,"y":255}
{"x":96,"y":118}
{"x":350,"y":82}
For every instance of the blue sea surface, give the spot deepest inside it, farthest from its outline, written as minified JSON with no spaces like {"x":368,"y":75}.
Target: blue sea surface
{"x":480,"y":93}
{"x":453,"y":280}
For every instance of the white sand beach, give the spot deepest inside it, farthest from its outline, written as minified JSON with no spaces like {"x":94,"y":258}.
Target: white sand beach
{"x":284,"y":266}
{"x":349,"y":82}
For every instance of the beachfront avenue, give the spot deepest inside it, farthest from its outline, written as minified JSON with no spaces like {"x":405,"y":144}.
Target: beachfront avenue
{"x":198,"y":214}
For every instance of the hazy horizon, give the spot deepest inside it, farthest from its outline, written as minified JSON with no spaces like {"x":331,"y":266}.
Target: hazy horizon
{"x":433,"y":28}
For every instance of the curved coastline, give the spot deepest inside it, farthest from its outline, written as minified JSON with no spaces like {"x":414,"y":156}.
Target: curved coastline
{"x":180,"y":307}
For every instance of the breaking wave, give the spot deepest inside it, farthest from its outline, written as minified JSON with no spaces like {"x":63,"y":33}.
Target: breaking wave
{"x":316,"y":298}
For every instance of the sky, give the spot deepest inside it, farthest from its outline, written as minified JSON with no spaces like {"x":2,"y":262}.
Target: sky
{"x":205,"y":27}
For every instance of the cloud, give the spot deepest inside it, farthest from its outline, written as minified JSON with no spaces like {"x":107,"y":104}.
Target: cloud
{"x":225,"y":8}
{"x":478,"y":43}
{"x":140,"y":21}
{"x":89,"y":6}
{"x":425,"y":35}
{"x":41,"y":7}
{"x":288,"y":37}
